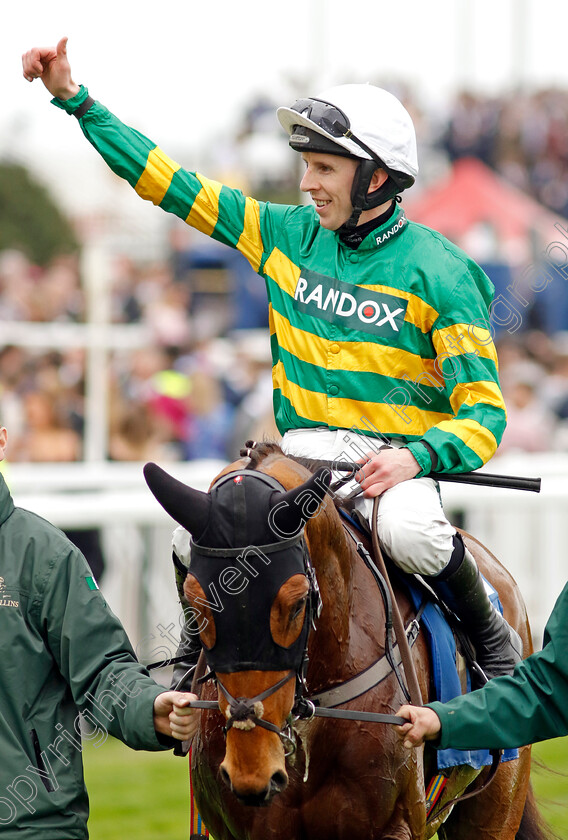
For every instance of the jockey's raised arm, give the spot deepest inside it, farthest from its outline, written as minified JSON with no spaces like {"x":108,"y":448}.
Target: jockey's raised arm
{"x":379,"y":326}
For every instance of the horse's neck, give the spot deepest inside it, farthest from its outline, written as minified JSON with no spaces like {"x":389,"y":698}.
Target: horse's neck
{"x":352,"y":607}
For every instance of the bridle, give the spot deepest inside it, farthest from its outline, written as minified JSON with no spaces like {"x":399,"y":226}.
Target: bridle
{"x":247,"y":712}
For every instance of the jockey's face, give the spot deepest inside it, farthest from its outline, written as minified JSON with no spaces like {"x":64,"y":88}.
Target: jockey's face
{"x":328,"y":179}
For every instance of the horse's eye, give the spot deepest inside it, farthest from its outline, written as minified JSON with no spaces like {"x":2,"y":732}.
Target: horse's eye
{"x":297,"y":608}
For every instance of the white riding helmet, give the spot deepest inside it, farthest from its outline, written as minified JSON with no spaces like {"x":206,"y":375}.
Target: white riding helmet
{"x":363,"y":122}
{"x":374,"y":116}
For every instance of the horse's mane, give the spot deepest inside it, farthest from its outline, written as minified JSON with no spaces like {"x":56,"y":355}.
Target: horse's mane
{"x":258,"y":451}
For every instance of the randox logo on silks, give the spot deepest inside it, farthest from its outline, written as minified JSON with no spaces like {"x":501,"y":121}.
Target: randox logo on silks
{"x":354,"y":307}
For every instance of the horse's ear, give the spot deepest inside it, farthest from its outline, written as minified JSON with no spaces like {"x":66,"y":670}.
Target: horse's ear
{"x":291,"y":510}
{"x":189,"y":507}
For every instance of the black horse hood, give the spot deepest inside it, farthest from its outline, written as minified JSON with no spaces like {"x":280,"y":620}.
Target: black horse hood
{"x":251,"y":543}
{"x":242,"y":508}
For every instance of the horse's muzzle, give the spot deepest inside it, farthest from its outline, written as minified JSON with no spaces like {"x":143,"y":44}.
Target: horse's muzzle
{"x":256,"y":798}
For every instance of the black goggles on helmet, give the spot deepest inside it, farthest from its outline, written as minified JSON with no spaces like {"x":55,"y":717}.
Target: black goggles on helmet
{"x":332,"y":120}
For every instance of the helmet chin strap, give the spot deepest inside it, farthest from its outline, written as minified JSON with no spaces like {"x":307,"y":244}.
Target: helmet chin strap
{"x":361,"y":199}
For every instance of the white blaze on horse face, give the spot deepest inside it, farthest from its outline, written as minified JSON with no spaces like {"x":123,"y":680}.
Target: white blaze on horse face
{"x":288,"y":610}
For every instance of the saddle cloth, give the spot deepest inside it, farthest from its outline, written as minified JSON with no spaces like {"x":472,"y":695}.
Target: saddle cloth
{"x":446,"y":679}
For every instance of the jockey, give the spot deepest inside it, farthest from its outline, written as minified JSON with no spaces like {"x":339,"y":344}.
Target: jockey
{"x":373,"y":134}
{"x":380,"y":327}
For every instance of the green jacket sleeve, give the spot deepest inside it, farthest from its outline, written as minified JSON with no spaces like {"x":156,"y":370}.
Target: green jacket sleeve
{"x":530,"y":705}
{"x":94,"y":655}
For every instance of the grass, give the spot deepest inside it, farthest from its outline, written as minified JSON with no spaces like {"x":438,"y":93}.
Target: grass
{"x":136,"y":794}
{"x":551,"y":784}
{"x":145,"y":795}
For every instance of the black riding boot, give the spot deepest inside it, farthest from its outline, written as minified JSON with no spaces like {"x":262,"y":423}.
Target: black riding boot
{"x":497,"y":645}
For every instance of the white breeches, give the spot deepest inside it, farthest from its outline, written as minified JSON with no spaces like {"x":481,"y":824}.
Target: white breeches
{"x":412,"y":525}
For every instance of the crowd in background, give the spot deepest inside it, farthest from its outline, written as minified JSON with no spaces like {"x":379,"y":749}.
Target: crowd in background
{"x":202,"y":384}
{"x":524,"y":137}
{"x":191,"y":394}
{"x":197,"y":387}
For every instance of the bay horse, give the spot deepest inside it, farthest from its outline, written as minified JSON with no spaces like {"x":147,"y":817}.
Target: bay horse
{"x":271,"y":549}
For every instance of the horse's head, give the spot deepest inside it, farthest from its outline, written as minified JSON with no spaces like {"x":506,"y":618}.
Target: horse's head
{"x":253,"y":591}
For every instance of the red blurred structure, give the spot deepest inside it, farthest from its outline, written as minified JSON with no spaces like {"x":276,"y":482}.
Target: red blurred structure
{"x":474,"y":194}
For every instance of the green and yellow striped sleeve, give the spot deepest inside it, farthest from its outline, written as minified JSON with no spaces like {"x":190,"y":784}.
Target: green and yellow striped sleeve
{"x":220,"y":212}
{"x":466,"y":364}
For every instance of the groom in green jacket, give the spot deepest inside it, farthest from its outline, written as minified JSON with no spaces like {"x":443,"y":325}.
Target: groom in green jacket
{"x":68,"y":674}
{"x":509,"y":711}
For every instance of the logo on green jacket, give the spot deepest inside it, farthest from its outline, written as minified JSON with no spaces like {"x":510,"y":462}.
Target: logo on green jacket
{"x":4,"y":600}
{"x":344,"y":304}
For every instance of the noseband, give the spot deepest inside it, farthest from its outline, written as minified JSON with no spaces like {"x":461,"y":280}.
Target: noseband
{"x":240,"y":644}
{"x":246,"y":713}
{"x":243,"y":651}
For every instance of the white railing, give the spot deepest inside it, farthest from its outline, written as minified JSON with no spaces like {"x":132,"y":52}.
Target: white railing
{"x":525,"y":530}
{"x":138,"y":581}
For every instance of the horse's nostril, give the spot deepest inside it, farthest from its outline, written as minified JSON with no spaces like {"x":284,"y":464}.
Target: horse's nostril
{"x":278,"y":781}
{"x":225,"y":777}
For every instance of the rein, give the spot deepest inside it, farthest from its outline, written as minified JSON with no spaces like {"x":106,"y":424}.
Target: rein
{"x":245,"y":709}
{"x":245,"y":713}
{"x":414,"y":694}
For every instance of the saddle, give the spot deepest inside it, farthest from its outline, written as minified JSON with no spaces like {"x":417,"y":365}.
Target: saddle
{"x":451,"y":652}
